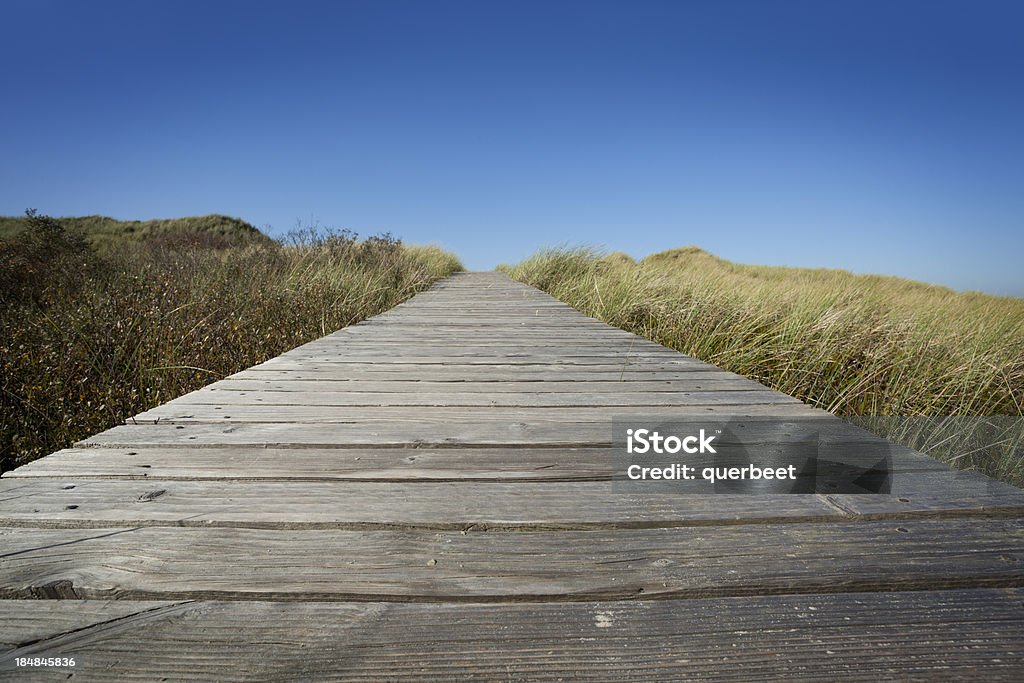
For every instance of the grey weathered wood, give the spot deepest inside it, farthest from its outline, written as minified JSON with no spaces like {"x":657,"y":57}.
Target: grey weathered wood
{"x":752,"y":403}
{"x":438,"y":430}
{"x":385,"y":464}
{"x":928,"y":635}
{"x":455,"y":396}
{"x":478,"y":427}
{"x":166,"y":563}
{"x":612,"y":348}
{"x":627,"y":390}
{"x":554,"y":362}
{"x":477,"y":373}
{"x":312,"y":464}
{"x":472,"y":399}
{"x":70,"y":502}
{"x":483,"y":341}
{"x":23,"y":623}
{"x":313,"y":504}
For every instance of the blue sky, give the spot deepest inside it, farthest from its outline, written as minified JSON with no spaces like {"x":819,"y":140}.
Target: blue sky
{"x":874,"y":136}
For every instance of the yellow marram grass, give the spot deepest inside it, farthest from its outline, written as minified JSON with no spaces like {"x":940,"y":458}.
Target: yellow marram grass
{"x":855,"y":345}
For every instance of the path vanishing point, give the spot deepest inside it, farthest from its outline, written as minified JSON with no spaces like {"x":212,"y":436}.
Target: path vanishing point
{"x":427,"y":495}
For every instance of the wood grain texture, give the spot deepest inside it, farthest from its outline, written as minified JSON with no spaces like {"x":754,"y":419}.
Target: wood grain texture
{"x":225,"y":389}
{"x":519,"y":505}
{"x":932,"y":635}
{"x":427,"y":505}
{"x":313,"y":464}
{"x":385,"y":464}
{"x":486,"y":373}
{"x":412,"y":427}
{"x":23,"y":623}
{"x":470,"y":399}
{"x":166,"y":563}
{"x":726,"y":403}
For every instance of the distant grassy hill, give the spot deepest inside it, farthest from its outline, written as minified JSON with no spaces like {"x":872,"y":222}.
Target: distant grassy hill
{"x":694,"y":258}
{"x":103,"y":232}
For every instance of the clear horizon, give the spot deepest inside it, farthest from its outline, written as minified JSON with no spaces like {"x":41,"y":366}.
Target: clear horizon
{"x":876,"y":138}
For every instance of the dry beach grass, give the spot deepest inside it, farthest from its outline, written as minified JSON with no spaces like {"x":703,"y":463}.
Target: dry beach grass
{"x":90,"y":335}
{"x":854,"y":345}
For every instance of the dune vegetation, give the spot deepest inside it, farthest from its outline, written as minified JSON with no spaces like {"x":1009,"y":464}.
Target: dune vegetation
{"x":856,"y":345}
{"x":95,"y":330}
{"x":104,"y":233}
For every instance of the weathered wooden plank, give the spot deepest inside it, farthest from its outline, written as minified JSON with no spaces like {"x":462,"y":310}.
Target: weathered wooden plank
{"x":439,"y":430}
{"x":457,"y":399}
{"x":74,"y":503}
{"x":431,"y":341}
{"x":965,"y":493}
{"x":500,"y":313}
{"x":772,"y":405}
{"x":538,"y":324}
{"x":529,"y":333}
{"x":925,"y":635}
{"x":565,"y":336}
{"x":531,"y":327}
{"x":691,"y":383}
{"x":536,"y":339}
{"x":539,"y":340}
{"x":225,"y":389}
{"x":760,"y":402}
{"x":459,"y":347}
{"x":472,"y":357}
{"x":477,"y":373}
{"x":434,"y":342}
{"x":451,"y":427}
{"x":469,"y":307}
{"x":557,"y":363}
{"x":584,"y":417}
{"x":87,"y":503}
{"x":169,"y":563}
{"x":384,"y":464}
{"x":589,"y":345}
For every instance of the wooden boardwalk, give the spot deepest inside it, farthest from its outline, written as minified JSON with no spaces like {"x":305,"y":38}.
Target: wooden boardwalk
{"x":427,"y":495}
